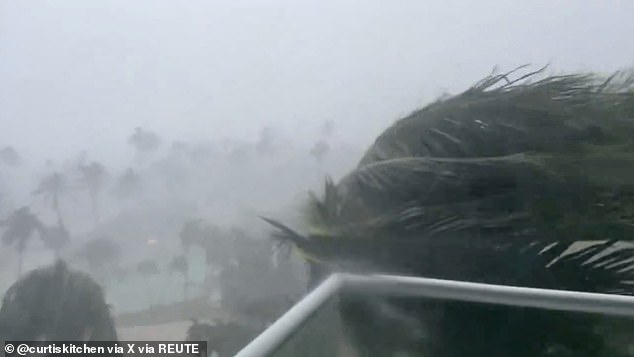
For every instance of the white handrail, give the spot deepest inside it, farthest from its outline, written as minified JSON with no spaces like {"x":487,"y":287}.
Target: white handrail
{"x":390,"y":285}
{"x":269,"y":340}
{"x":400,"y":286}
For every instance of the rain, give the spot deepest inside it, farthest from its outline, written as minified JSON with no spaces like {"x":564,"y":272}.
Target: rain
{"x":168,"y":161}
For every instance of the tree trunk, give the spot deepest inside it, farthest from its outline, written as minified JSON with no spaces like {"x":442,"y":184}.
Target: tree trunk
{"x":186,"y":285}
{"x":95,"y":207}
{"x":20,"y":261}
{"x":186,"y":274}
{"x":21,"y":248}
{"x":56,"y":208}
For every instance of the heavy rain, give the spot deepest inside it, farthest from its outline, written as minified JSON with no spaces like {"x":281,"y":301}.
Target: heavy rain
{"x":191,"y":171}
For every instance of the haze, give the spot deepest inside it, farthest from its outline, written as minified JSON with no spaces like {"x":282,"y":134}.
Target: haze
{"x":251,"y":103}
{"x":82,"y":74}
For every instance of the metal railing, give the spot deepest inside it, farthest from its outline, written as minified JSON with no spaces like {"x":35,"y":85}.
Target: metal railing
{"x":273,"y":338}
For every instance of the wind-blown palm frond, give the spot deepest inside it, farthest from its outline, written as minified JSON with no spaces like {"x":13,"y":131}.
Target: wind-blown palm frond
{"x":52,"y":187}
{"x":520,"y":195}
{"x":518,"y":182}
{"x":555,"y":114}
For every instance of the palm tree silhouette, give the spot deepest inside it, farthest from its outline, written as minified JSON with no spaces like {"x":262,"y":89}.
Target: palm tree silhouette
{"x":128,"y":184}
{"x":9,"y":156}
{"x":93,"y":178}
{"x":52,"y":187}
{"x":144,"y":141}
{"x":19,"y":229}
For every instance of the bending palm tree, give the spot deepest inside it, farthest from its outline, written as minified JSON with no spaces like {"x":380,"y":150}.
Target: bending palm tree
{"x":128,"y":184}
{"x":52,"y":187}
{"x":144,"y":141}
{"x":495,"y":185}
{"x":93,"y":178}
{"x":20,"y":227}
{"x":9,"y":156}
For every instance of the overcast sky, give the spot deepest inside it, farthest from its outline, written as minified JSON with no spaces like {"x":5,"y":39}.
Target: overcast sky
{"x":82,"y":74}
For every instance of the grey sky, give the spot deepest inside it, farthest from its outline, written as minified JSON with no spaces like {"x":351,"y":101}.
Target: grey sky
{"x":82,"y":74}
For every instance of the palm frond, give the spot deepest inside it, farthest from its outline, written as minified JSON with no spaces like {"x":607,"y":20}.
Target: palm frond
{"x":524,"y":181}
{"x":496,"y":118}
{"x":507,"y":195}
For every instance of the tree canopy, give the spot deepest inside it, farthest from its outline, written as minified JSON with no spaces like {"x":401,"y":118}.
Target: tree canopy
{"x":499,"y":185}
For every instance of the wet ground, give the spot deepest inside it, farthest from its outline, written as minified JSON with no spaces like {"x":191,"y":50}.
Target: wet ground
{"x":173,"y":331}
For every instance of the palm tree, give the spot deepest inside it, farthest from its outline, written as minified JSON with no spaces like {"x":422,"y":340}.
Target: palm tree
{"x":19,"y":229}
{"x":128,"y":184}
{"x":52,"y":187}
{"x":56,"y":303}
{"x":93,"y":178}
{"x":9,"y":156}
{"x":147,"y":268}
{"x":55,"y":237}
{"x":144,"y":141}
{"x":497,"y":185}
{"x":179,"y":265}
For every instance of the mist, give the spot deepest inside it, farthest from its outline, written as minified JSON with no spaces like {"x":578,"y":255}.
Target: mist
{"x":224,"y":69}
{"x":161,"y":113}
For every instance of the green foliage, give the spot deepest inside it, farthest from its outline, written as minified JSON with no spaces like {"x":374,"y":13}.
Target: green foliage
{"x":19,"y":228}
{"x":498,"y":185}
